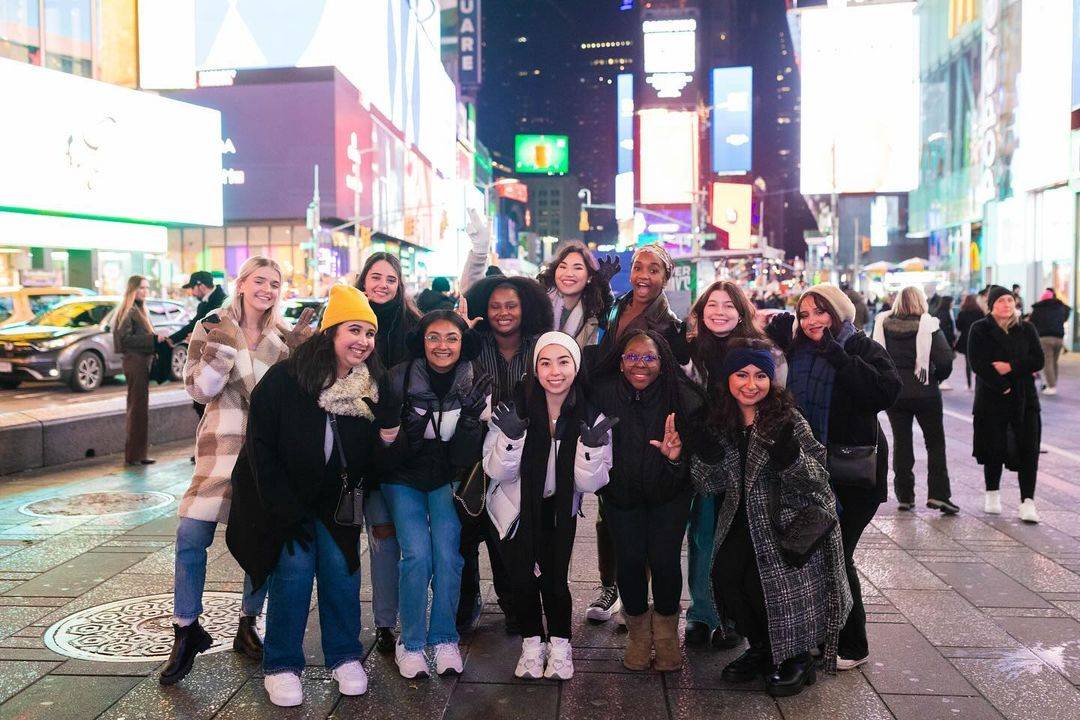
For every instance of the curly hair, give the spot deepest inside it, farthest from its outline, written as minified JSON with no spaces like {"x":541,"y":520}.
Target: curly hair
{"x":536,"y":313}
{"x":596,"y":296}
{"x":775,"y":409}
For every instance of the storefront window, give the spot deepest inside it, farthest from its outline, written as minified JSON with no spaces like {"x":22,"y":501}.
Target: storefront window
{"x":19,"y":30}
{"x":69,"y":36}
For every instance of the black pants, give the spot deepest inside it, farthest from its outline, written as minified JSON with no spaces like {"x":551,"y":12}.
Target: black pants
{"x":1026,"y":475}
{"x":473,"y":532}
{"x":546,"y":596}
{"x":857,"y":512}
{"x":736,"y":573}
{"x":967,"y":370}
{"x":648,"y":540}
{"x":605,"y":550}
{"x":928,"y":413}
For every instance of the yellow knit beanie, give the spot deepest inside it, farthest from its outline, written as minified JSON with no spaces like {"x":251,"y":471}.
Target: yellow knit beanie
{"x":347,"y":304}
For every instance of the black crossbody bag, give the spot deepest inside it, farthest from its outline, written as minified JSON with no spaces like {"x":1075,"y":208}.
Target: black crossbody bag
{"x":350,"y":506}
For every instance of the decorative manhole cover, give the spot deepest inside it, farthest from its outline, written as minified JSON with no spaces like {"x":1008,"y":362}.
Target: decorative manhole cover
{"x":97,"y":504}
{"x":139,"y":629}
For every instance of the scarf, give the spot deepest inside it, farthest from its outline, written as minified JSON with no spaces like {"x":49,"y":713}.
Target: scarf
{"x":574,"y":321}
{"x":811,"y":379}
{"x":390,"y":338}
{"x":923,"y":340}
{"x":345,"y":396}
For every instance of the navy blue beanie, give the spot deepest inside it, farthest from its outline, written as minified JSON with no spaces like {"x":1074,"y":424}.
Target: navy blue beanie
{"x":738,"y":358}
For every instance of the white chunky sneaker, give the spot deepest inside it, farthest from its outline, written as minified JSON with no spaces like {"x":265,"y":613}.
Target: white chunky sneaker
{"x":992,"y":503}
{"x":351,"y":678}
{"x":560,"y":662}
{"x":284,"y":689}
{"x":448,"y":658}
{"x":530,"y":665}
{"x":842,"y":663}
{"x":411,"y":663}
{"x":1050,"y":391}
{"x":1027,"y":511}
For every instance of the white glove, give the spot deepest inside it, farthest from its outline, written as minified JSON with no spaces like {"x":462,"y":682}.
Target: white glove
{"x":479,"y":232}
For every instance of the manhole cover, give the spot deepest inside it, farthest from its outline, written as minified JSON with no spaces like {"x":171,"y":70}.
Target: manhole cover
{"x":97,"y":504}
{"x":138,"y":629}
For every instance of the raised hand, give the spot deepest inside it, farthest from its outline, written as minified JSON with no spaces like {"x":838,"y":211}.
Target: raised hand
{"x":475,"y":400}
{"x":462,"y":310}
{"x":416,"y":423}
{"x":779,"y":329}
{"x":671,"y":446}
{"x":387,"y":411}
{"x":609,"y":267}
{"x":597,"y":435}
{"x":505,"y":418}
{"x":830,"y":349}
{"x":479,"y":231}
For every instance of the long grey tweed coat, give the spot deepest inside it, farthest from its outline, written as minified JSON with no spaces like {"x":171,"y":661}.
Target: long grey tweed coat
{"x":806,"y":606}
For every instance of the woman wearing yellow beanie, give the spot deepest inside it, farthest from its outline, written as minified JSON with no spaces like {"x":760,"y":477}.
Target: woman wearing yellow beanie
{"x":319,"y":421}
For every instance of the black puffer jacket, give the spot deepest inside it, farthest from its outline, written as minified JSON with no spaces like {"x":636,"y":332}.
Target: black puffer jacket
{"x":900,"y":340}
{"x":1049,"y":317}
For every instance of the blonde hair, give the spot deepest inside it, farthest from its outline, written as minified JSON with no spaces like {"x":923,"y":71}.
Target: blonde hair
{"x":910,"y":302}
{"x":234,"y":304}
{"x":128,"y":304}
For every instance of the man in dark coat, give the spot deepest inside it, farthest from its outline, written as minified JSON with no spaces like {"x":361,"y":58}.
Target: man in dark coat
{"x":210,"y":297}
{"x":1049,"y":316}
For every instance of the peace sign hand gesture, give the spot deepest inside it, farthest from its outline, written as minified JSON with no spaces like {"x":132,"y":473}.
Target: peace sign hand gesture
{"x":463,"y":312}
{"x":671,"y":446}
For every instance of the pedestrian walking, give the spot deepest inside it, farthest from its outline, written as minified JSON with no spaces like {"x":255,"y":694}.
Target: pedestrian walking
{"x":544,"y":449}
{"x":647,"y":501}
{"x":862,"y":311}
{"x":1049,"y":316}
{"x":134,"y":337}
{"x":970,"y":312}
{"x":382,"y":283}
{"x":230,"y":351}
{"x":841,"y":380}
{"x":319,"y":423}
{"x":445,"y":396}
{"x":768,"y":474}
{"x":1005,"y":354}
{"x":580,"y":292}
{"x":923,"y":357}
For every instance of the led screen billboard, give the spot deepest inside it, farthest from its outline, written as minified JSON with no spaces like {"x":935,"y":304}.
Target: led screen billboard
{"x":731,"y":213}
{"x":669,"y":156}
{"x":733,"y":120}
{"x":1076,"y":55}
{"x":669,"y":47}
{"x":863,"y":138}
{"x":542,"y":154}
{"x":624,"y":130}
{"x":92,"y":149}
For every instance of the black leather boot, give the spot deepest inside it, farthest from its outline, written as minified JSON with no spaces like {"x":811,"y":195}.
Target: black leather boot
{"x":726,"y":637}
{"x":752,"y":664}
{"x":696,"y":634}
{"x":187,"y":643}
{"x":791,"y":676}
{"x":247,"y":641}
{"x":385,"y":640}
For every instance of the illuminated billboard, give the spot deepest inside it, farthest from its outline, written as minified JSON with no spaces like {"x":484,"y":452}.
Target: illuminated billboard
{"x":669,"y":46}
{"x":542,"y":154}
{"x":624,"y":130}
{"x":863,"y":138}
{"x":732,"y":120}
{"x":669,"y":156}
{"x":96,"y":150}
{"x":730,"y":213}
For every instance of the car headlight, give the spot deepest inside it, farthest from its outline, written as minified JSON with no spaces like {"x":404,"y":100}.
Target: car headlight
{"x":54,"y":344}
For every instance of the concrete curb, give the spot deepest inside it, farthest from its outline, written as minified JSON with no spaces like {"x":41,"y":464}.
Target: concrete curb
{"x":54,"y":436}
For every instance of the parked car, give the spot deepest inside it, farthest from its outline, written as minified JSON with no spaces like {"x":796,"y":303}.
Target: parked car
{"x":73,"y":343}
{"x":21,"y":304}
{"x":291,"y":309}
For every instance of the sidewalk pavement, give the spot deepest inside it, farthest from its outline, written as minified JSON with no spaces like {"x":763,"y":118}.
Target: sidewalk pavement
{"x":969,"y":617}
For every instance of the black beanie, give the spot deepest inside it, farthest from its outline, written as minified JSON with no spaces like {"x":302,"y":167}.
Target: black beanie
{"x":995,"y":293}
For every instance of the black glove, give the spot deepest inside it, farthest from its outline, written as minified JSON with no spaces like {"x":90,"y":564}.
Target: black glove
{"x":609,"y":268}
{"x":779,"y":329}
{"x":597,"y":435}
{"x":297,"y":535}
{"x":831,"y":350}
{"x":474,"y":402}
{"x":505,"y":418}
{"x":387,"y":411}
{"x":416,"y":423}
{"x":209,"y":321}
{"x":785,"y":448}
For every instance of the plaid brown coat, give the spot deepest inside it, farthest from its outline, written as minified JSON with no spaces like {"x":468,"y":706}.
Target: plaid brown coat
{"x":222,"y":377}
{"x":806,"y":606}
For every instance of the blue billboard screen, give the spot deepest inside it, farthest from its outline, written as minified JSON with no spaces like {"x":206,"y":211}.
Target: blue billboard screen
{"x":733,"y":120}
{"x":624,"y":97}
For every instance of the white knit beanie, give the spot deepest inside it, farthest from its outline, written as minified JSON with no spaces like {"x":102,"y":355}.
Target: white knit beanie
{"x":557,"y":338}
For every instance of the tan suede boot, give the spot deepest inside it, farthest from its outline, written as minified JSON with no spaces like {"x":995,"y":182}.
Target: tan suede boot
{"x":665,"y":638}
{"x":639,"y":641}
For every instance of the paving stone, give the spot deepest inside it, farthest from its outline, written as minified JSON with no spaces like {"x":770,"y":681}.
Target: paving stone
{"x":722,"y":705}
{"x":16,"y":675}
{"x":1066,"y":521}
{"x":34,"y":652}
{"x":16,"y":618}
{"x":49,"y":553}
{"x":593,"y":695}
{"x":911,"y":533}
{"x":902,"y":661}
{"x":59,"y":697}
{"x":1023,"y":687}
{"x":1055,"y":640}
{"x":533,"y":701}
{"x":391,"y":697}
{"x":251,"y":700}
{"x":895,"y":569}
{"x":93,"y":667}
{"x":78,"y":575}
{"x":1035,"y":572}
{"x":985,"y":586}
{"x":968,"y":528}
{"x":914,"y":707}
{"x":1040,"y":538}
{"x":702,"y":670}
{"x":164,"y":526}
{"x":946,"y":618}
{"x":844,"y":696}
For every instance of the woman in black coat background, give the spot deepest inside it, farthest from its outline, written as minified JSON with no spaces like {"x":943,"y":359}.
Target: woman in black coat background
{"x":1005,"y":354}
{"x":969,"y":314}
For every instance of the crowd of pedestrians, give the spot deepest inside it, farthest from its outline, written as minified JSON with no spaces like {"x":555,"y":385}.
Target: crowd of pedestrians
{"x":484,"y":419}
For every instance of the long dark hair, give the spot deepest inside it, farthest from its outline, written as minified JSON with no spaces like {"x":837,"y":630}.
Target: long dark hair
{"x":597,"y":298}
{"x":314,"y":364}
{"x":707,"y":348}
{"x":408,"y":307}
{"x":773,"y":411}
{"x":971,"y":302}
{"x":822,"y":305}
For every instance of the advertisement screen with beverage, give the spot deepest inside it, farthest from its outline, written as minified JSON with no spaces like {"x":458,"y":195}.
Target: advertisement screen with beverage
{"x":542,"y":154}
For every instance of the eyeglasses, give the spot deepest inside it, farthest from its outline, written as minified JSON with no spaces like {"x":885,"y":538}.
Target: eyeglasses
{"x":435,"y":339}
{"x":634,"y":359}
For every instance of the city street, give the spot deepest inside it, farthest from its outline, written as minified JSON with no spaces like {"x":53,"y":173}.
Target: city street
{"x":970,"y":617}
{"x":52,"y":395}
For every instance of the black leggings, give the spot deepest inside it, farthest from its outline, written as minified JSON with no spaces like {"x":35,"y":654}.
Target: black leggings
{"x":548,"y":596}
{"x":1026,"y":475}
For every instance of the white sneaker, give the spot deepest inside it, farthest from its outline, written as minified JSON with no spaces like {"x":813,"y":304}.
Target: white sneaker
{"x":992,"y":503}
{"x":944,"y":386}
{"x":1050,"y":391}
{"x":530,"y":665}
{"x":845,"y":664}
{"x":351,"y":678}
{"x":560,"y":662}
{"x":448,"y":658}
{"x":284,"y":689}
{"x":1027,"y":511}
{"x":411,"y":663}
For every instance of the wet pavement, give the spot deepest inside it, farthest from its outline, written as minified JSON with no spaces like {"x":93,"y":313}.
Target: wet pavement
{"x":972,"y":616}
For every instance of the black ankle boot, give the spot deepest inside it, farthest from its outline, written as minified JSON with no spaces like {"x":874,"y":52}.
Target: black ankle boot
{"x":749,"y":666}
{"x":247,"y":641}
{"x":791,"y":676}
{"x":696,"y":634}
{"x":385,"y":640}
{"x":188,"y":642}
{"x":726,"y":637}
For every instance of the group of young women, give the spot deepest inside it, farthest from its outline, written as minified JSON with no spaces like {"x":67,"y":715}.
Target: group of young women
{"x":682,"y":430}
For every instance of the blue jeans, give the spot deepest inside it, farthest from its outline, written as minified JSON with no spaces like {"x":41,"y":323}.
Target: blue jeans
{"x":429,"y":533}
{"x":193,"y":537}
{"x":383,"y":556}
{"x":290,"y":599}
{"x":700,"y":538}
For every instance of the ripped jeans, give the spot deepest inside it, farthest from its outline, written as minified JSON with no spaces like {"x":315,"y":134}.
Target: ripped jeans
{"x":384,"y":555}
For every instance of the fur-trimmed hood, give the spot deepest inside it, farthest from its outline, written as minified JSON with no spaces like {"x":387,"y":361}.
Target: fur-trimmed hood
{"x":346,"y":395}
